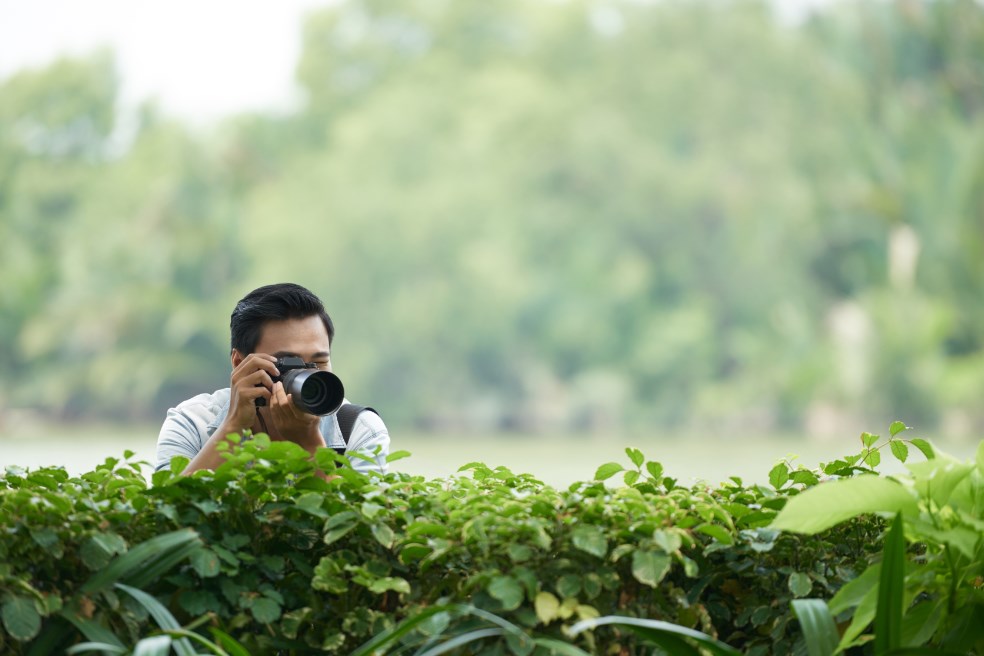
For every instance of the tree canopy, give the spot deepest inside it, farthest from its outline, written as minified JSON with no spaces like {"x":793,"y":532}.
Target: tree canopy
{"x":592,"y":214}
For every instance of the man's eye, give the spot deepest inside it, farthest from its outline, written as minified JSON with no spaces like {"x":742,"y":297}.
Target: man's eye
{"x":322,"y":365}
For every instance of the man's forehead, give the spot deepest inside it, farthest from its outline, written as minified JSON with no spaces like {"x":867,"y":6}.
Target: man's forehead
{"x":303,"y":337}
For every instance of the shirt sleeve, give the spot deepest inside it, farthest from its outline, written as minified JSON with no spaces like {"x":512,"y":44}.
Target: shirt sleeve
{"x":370,"y":440}
{"x":181,"y":435}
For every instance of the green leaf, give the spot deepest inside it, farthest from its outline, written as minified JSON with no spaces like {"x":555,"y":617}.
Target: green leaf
{"x":569,"y":585}
{"x":672,"y":637}
{"x":778,"y":475}
{"x":803,"y":477}
{"x":507,"y":590}
{"x":936,"y":479}
{"x":823,"y":506}
{"x":205,"y":562}
{"x":607,"y":470}
{"x":667,"y":540}
{"x":397,"y":455}
{"x":97,"y":551}
{"x":891,"y":590}
{"x":868,"y":439}
{"x":921,"y":621}
{"x":655,"y":470}
{"x":265,"y":610}
{"x":335,"y":534}
{"x":311,"y":503}
{"x":717,"y":532}
{"x":873,"y":458}
{"x":897,"y":427}
{"x":20,"y":618}
{"x":546,"y":605}
{"x":800,"y":584}
{"x":631,"y":477}
{"x":394,"y":583}
{"x":384,"y":535}
{"x":591,"y":539}
{"x":635,"y":455}
{"x":854,"y":591}
{"x":649,"y":567}
{"x":899,"y":450}
{"x":819,"y":630}
{"x":924,"y":446}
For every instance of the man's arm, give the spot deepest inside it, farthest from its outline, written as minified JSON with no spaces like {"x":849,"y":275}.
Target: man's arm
{"x":182,"y":433}
{"x":368,"y":435}
{"x":250,"y":380}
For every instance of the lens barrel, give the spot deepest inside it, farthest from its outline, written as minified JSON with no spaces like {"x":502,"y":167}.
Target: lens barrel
{"x":315,"y":392}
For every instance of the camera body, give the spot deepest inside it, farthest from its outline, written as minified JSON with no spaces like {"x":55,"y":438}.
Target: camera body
{"x":313,"y":391}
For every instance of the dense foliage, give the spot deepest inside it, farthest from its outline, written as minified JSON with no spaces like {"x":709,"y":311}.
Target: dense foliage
{"x":529,"y":215}
{"x":265,"y":550}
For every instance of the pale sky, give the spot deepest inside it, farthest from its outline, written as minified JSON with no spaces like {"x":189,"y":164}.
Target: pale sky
{"x":199,"y":59}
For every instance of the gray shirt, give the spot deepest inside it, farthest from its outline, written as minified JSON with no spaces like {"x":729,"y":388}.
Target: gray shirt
{"x":189,"y":425}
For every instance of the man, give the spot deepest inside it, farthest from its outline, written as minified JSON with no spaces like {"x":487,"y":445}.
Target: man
{"x":271,"y":322}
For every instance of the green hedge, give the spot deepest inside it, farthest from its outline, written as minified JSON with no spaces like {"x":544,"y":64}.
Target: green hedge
{"x":283,"y":560}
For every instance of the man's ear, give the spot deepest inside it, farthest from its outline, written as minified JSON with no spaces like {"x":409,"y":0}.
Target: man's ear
{"x":237,"y":358}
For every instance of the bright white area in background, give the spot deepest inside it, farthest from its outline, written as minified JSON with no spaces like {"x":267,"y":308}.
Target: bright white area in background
{"x":200,"y":59}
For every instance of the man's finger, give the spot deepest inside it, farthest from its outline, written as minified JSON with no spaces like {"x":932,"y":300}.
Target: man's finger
{"x":257,"y":361}
{"x":261,"y":378}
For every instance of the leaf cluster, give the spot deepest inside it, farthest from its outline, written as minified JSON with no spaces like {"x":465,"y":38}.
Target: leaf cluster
{"x":287,"y":560}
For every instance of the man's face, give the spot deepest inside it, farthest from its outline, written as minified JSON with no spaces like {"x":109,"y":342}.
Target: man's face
{"x":303,"y":338}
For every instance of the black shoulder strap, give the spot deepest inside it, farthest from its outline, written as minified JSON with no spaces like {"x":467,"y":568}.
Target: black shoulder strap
{"x":346,"y":415}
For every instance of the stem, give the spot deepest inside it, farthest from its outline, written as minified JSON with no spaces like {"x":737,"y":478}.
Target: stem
{"x":952,"y":603}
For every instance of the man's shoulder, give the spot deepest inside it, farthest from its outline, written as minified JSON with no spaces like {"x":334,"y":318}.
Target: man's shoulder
{"x":371,"y":420}
{"x":205,"y":406}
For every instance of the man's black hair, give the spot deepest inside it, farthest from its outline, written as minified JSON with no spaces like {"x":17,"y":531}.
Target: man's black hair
{"x":273,"y":303}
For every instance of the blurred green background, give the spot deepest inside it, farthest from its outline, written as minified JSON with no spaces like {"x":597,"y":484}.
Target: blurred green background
{"x":576,"y":218}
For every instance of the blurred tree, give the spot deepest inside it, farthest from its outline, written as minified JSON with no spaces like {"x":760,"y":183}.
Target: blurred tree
{"x":583,"y":215}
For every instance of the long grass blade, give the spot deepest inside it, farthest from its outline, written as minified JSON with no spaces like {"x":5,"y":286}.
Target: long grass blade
{"x":819,"y":629}
{"x":923,"y":651}
{"x":230,"y":644}
{"x":667,"y":635}
{"x":464,"y":639}
{"x":161,"y":615}
{"x":103,"y":647}
{"x":406,"y":626}
{"x":891,"y":590}
{"x":558,"y":647}
{"x":92,"y":631}
{"x":158,"y":567}
{"x":197,"y":637}
{"x":137,"y":558}
{"x":159,"y":645}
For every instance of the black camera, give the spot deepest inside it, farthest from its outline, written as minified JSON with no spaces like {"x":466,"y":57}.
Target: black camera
{"x":313,"y":391}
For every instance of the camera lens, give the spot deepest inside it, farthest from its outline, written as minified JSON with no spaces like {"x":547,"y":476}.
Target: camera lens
{"x":315,"y":392}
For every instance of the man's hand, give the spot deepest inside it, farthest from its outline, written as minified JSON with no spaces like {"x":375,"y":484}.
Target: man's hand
{"x":293,"y":423}
{"x":252,"y":379}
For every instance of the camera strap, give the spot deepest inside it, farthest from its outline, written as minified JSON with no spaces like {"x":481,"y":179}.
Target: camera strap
{"x":346,"y":415}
